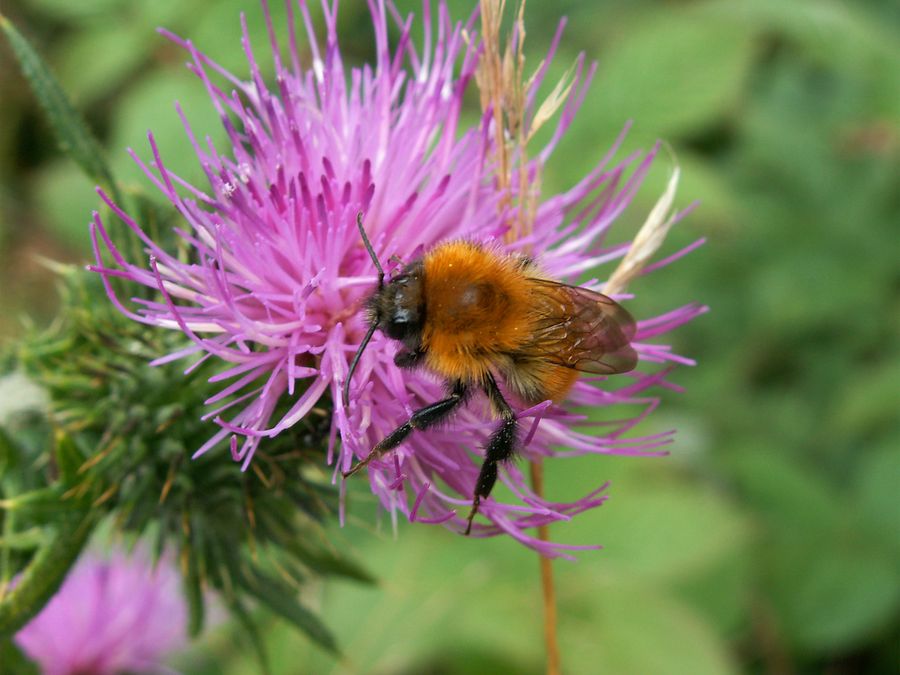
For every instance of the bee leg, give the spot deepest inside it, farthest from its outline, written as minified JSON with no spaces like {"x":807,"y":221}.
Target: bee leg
{"x":409,"y":358}
{"x":500,"y":447}
{"x":420,"y":419}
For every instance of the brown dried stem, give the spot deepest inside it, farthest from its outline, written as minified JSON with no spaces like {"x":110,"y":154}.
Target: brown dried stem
{"x":504,"y":90}
{"x":549,"y":595}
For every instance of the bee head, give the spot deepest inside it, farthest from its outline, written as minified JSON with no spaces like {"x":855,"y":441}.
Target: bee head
{"x":398,"y":307}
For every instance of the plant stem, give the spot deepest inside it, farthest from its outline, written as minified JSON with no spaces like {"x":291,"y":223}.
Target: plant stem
{"x":44,"y":574}
{"x":553,"y":660}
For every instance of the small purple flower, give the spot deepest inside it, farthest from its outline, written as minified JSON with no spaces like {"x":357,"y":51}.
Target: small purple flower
{"x":111,"y":615}
{"x":277,"y":274}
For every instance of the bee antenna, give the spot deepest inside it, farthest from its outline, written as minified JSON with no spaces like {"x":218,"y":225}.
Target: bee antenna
{"x":371,"y":331}
{"x":368,"y":244}
{"x":355,"y":361}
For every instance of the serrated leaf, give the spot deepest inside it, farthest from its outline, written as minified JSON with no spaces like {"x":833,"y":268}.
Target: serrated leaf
{"x":284,"y":602}
{"x":72,"y":133}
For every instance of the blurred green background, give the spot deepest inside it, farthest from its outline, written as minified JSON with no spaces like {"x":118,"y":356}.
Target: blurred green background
{"x":769,"y":541}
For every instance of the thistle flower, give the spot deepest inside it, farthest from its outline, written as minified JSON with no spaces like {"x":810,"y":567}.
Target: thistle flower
{"x":111,"y":615}
{"x":277,"y":274}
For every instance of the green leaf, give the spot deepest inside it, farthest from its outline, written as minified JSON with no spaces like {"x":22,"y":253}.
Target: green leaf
{"x":251,"y":631}
{"x":9,"y":452}
{"x":674,"y":75}
{"x":325,"y":561}
{"x":72,"y":133}
{"x":790,"y":498}
{"x":284,"y":602}
{"x":868,"y":400}
{"x":838,"y":34}
{"x":26,"y":540}
{"x":216,"y":30}
{"x":701,"y":181}
{"x":42,"y":500}
{"x":637,"y":629}
{"x":170,"y":13}
{"x":437,"y":589}
{"x":84,"y":10}
{"x":193,"y":591}
{"x":876,"y":502}
{"x":836,"y":599}
{"x":69,"y":459}
{"x":150,"y":104}
{"x":14,"y":661}
{"x":721,"y":593}
{"x":483,"y":597}
{"x":668,"y":532}
{"x":124,"y":45}
{"x":654,"y":524}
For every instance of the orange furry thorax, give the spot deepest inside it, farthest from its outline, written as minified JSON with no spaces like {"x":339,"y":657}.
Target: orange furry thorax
{"x":478,"y":316}
{"x":475,"y":308}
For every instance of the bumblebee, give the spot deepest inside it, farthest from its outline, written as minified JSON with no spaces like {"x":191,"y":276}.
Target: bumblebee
{"x":471,"y":315}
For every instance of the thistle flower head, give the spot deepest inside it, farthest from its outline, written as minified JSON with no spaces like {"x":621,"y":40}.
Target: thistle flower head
{"x":277,"y":275}
{"x":111,"y":615}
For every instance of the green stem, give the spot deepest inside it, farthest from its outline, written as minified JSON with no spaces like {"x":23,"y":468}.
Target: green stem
{"x":44,"y":575}
{"x":9,"y":526}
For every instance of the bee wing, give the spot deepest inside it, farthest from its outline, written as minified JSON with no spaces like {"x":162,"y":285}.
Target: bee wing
{"x":580,"y":329}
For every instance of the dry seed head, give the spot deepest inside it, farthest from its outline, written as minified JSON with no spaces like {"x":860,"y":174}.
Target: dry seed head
{"x":648,"y":240}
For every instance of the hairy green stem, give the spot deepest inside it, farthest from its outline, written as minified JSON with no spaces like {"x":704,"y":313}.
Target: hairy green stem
{"x":44,"y":574}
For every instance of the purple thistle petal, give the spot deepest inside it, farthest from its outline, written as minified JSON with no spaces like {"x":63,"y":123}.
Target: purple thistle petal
{"x":278,"y":276}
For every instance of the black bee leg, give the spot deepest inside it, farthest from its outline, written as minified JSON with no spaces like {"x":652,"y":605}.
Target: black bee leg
{"x":409,"y":358}
{"x":420,"y":419}
{"x":500,"y":447}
